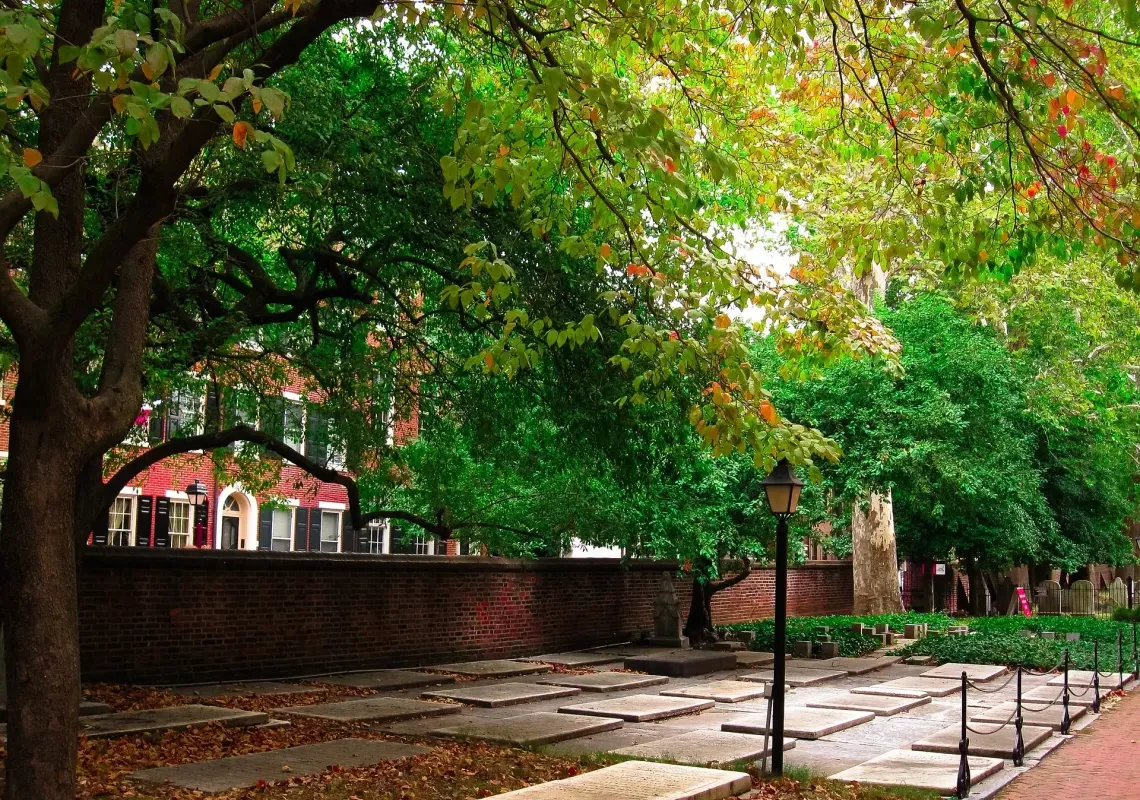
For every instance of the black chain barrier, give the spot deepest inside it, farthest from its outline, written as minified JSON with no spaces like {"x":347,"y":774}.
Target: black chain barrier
{"x":963,"y":787}
{"x":1065,"y":720}
{"x":1018,"y":741}
{"x":1120,"y":657}
{"x":1096,"y":678}
{"x":1135,"y":660}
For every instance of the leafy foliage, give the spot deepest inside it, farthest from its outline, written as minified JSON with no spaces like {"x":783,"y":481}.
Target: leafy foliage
{"x":850,"y":643}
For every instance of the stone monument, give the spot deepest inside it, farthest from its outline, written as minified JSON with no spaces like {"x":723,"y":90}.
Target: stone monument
{"x":667,"y":617}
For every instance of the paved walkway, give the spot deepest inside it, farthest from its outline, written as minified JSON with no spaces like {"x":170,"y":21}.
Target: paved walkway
{"x":1101,"y":761}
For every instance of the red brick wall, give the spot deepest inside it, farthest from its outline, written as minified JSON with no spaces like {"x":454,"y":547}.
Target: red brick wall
{"x":813,"y":589}
{"x":164,"y":616}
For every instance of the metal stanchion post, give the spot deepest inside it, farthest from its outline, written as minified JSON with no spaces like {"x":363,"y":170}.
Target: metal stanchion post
{"x":1120,"y":656}
{"x":1096,"y":678}
{"x":1131,"y":589}
{"x":1135,"y":660}
{"x":1065,"y":720}
{"x":964,"y":781}
{"x":1018,"y":741}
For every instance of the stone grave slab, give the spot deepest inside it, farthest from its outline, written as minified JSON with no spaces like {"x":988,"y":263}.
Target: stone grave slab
{"x":720,"y":691}
{"x":604,"y":681}
{"x":576,"y":659}
{"x":935,"y":687}
{"x":935,"y":772}
{"x":257,"y":688}
{"x":1048,"y":718}
{"x":860,"y":666}
{"x":993,"y":742}
{"x":797,"y":676}
{"x":881,"y":705}
{"x":371,"y":709}
{"x":640,"y":780}
{"x":240,"y":772}
{"x":389,"y":679}
{"x":825,"y":757}
{"x":531,"y":730}
{"x":173,"y":718}
{"x":888,"y":691}
{"x":887,"y":733}
{"x":501,"y":668}
{"x":704,"y":747}
{"x":1043,"y":695}
{"x":683,"y":663}
{"x":1081,"y":678}
{"x":978,"y":673}
{"x":87,"y":708}
{"x":754,"y":658}
{"x":497,"y":695}
{"x":801,"y":722}
{"x":639,"y":707}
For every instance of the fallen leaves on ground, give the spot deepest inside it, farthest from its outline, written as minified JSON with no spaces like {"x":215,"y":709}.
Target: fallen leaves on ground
{"x":823,"y":789}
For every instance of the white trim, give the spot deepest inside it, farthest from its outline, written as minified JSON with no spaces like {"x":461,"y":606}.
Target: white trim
{"x":291,"y":396}
{"x":331,"y":506}
{"x":292,"y":501}
{"x":247,"y":527}
{"x":176,"y":495}
{"x":3,"y":453}
{"x":131,"y":490}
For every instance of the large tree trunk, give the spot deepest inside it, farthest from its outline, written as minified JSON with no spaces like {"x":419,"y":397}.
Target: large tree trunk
{"x":699,"y":624}
{"x":40,"y":617}
{"x":977,"y":588}
{"x":874,"y":560}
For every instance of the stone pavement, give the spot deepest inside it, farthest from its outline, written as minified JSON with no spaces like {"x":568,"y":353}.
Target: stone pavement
{"x":1100,"y":761}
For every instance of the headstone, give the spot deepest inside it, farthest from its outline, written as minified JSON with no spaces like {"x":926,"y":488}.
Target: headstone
{"x":639,"y":707}
{"x":1026,"y":634}
{"x":1118,"y":594}
{"x":1072,"y":637}
{"x":882,"y":627}
{"x":1049,"y":598}
{"x":704,"y":747}
{"x":1048,"y":635}
{"x":829,"y":650}
{"x":1082,"y":598}
{"x":824,"y":630}
{"x":801,"y":650}
{"x":936,"y":772}
{"x":497,"y":695}
{"x":642,"y":780}
{"x":913,"y":631}
{"x":745,"y":636}
{"x":605,"y":681}
{"x":666,"y":616}
{"x":882,"y":638}
{"x":857,"y":627}
{"x":531,"y":730}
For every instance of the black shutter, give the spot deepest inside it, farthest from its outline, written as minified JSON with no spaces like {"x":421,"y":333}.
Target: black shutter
{"x":315,"y":530}
{"x":317,"y":436}
{"x":156,"y":427}
{"x":201,"y":523}
{"x":142,"y":522}
{"x":301,"y":530}
{"x":347,"y":534}
{"x":161,"y":522}
{"x":213,"y":418}
{"x":265,"y":530}
{"x":273,"y":421}
{"x":99,"y":533}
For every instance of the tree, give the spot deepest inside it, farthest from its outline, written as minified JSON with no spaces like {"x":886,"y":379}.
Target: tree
{"x":635,"y":139}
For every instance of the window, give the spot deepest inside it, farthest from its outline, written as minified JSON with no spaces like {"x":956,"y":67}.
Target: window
{"x":176,"y":416}
{"x":121,"y":522}
{"x":282,"y":531}
{"x":417,"y":544}
{"x":317,"y":436}
{"x":330,"y":532}
{"x":376,"y":537}
{"x":294,"y":433}
{"x":180,"y":526}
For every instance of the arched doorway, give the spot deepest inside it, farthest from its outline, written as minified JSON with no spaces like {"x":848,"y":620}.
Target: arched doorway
{"x":237,"y":521}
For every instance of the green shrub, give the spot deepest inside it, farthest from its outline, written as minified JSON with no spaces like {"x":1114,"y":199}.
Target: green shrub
{"x":850,"y":643}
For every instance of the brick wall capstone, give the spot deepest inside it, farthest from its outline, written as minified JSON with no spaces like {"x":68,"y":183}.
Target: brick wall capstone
{"x":183,"y":616}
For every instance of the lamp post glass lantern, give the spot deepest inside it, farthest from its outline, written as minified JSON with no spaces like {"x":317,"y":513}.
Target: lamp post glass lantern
{"x":196,"y":493}
{"x":782,"y":488}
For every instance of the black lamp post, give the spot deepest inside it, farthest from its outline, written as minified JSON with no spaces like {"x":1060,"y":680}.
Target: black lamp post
{"x":783,"y":490}
{"x":196,"y":494}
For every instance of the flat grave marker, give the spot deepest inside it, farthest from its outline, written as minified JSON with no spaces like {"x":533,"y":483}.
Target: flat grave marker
{"x":172,"y":718}
{"x":796,"y":676}
{"x":721,"y":691}
{"x":242,"y":689}
{"x":1080,"y":678}
{"x":704,"y":747}
{"x":604,"y":681}
{"x":531,"y":730}
{"x":576,"y":659}
{"x":1048,"y":718}
{"x":388,"y":679}
{"x":640,"y":780}
{"x":978,"y":673}
{"x":935,"y":772}
{"x":499,"y":668}
{"x":1048,"y":695}
{"x":801,"y":722}
{"x":372,"y":709}
{"x":881,"y":705}
{"x":639,"y":707}
{"x":994,"y":741}
{"x":683,"y":663}
{"x":860,"y":666}
{"x":935,"y":687}
{"x":496,"y":695}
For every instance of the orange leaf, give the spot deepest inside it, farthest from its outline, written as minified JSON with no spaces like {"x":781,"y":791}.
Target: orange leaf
{"x":257,"y":105}
{"x":768,"y":412}
{"x":148,"y":71}
{"x":241,"y":130}
{"x":722,"y":321}
{"x":120,"y":102}
{"x":1050,"y":78}
{"x":605,"y":250}
{"x":215,"y":72}
{"x":32,"y":156}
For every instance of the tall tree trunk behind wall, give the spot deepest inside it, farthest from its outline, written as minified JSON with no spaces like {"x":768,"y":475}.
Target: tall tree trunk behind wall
{"x":874,"y":556}
{"x":874,"y":559}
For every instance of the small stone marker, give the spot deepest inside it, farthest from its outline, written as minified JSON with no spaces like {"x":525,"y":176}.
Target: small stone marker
{"x":881,"y":705}
{"x":1081,"y":678}
{"x":745,"y":636}
{"x":639,"y":707}
{"x":388,"y":679}
{"x":1025,"y":634}
{"x":829,"y":650}
{"x":801,"y":650}
{"x":256,"y":688}
{"x":1048,"y":718}
{"x":1044,"y":695}
{"x":372,"y":709}
{"x":667,"y":616}
{"x":882,"y":627}
{"x":857,"y":627}
{"x":881,"y":638}
{"x":503,"y":668}
{"x":978,"y":673}
{"x":720,"y":691}
{"x":604,"y":681}
{"x":935,"y":687}
{"x":796,"y":676}
{"x":640,"y":780}
{"x":576,"y":659}
{"x":497,"y":695}
{"x":754,"y":658}
{"x":704,"y":747}
{"x":1072,"y":637}
{"x":173,"y":718}
{"x":995,"y":742}
{"x":682,"y":664}
{"x":240,"y":772}
{"x":935,"y":772}
{"x":920,"y":661}
{"x":1048,"y":635}
{"x":531,"y":730}
{"x":913,"y":631}
{"x":800,"y":722}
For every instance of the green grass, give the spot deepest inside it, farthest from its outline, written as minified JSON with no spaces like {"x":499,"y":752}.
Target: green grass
{"x":850,"y":644}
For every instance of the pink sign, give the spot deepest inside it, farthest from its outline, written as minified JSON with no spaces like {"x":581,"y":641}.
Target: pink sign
{"x":1025,"y":609}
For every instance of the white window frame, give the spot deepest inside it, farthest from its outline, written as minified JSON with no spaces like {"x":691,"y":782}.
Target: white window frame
{"x":189,"y":534}
{"x":132,"y":513}
{"x":293,"y":400}
{"x":289,"y":527}
{"x":377,"y":538}
{"x":336,"y":530}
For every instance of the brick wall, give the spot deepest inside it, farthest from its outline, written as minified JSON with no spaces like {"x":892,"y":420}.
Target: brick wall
{"x":164,"y":616}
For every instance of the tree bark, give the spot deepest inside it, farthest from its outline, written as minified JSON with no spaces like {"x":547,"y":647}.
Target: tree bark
{"x":977,"y":582}
{"x":874,"y":560}
{"x":699,"y":624}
